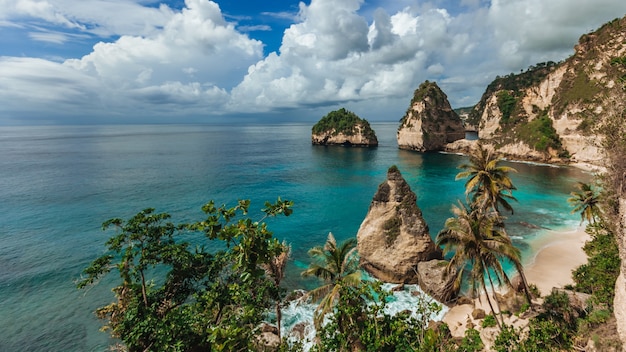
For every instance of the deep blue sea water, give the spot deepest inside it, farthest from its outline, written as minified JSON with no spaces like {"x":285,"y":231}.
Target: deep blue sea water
{"x":58,"y":184}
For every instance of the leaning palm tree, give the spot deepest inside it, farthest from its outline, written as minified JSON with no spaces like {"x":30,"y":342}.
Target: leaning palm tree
{"x":480,"y":244}
{"x":275,"y":269}
{"x":489,"y":185}
{"x":337,"y":266}
{"x":586,"y":201}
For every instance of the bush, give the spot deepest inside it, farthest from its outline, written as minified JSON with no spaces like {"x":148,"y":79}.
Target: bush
{"x":598,"y":276}
{"x":489,"y":321}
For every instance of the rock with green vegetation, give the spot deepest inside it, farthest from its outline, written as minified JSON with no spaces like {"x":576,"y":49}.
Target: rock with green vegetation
{"x":551,"y":112}
{"x":394,"y":237}
{"x":343,"y":127}
{"x":429,"y":123}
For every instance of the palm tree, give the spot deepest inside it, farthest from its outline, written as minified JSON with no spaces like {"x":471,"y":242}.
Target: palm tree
{"x":275,"y":269}
{"x":337,"y":266}
{"x":488,"y":182}
{"x":587,"y":202}
{"x":479,"y":243}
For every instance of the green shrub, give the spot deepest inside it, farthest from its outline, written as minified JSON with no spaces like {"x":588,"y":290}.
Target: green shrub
{"x":598,"y":276}
{"x":489,"y":321}
{"x":540,"y":134}
{"x":506,"y":104}
{"x":471,"y":341}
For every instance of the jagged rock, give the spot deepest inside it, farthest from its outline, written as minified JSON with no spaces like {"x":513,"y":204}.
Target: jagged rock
{"x":268,"y":339}
{"x":343,"y":127}
{"x":619,"y":304}
{"x":577,"y":300}
{"x":432,"y":278}
{"x":549,"y":112}
{"x":299,"y":331}
{"x":394,"y":237}
{"x":464,"y":300}
{"x":478,"y":314}
{"x":429,"y":123}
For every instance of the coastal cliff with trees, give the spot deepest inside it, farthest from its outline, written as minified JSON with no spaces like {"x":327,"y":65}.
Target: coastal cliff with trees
{"x":172,"y":296}
{"x":552,"y":111}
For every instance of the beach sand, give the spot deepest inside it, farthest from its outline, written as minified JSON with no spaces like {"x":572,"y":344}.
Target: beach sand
{"x":558,"y":253}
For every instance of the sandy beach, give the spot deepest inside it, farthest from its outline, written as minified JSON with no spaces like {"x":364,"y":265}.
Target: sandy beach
{"x":557,"y":254}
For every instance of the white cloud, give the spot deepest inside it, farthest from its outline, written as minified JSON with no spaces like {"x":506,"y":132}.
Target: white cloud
{"x":194,"y":62}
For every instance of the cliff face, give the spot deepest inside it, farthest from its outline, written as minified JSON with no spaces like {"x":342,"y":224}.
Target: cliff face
{"x":394,"y":237}
{"x":359,"y":137}
{"x":429,"y":123}
{"x":619,"y":304}
{"x":343,"y":127}
{"x":550,"y":112}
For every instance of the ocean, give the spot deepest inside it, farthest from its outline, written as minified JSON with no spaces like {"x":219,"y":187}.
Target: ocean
{"x":58,"y":184}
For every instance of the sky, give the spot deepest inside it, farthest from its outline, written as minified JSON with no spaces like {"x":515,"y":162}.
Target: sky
{"x":201,"y":61}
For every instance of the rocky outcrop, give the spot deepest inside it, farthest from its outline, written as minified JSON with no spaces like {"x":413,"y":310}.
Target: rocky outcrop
{"x":343,"y":127}
{"x":359,"y":138}
{"x":433,"y":279}
{"x":429,"y":123}
{"x":619,"y":304}
{"x":394,"y":237}
{"x":551,"y":112}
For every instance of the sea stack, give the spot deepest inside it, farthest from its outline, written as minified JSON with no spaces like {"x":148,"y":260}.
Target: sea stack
{"x":343,"y":127}
{"x":429,"y":123}
{"x":394,"y":237}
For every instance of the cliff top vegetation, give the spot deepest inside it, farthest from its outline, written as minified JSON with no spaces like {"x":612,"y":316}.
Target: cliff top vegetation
{"x":342,"y":121}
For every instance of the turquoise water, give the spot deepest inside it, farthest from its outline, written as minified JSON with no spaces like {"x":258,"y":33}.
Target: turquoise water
{"x":58,"y":184}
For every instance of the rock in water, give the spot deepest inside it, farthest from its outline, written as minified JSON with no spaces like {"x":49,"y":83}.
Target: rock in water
{"x":429,"y":123}
{"x":394,"y":237}
{"x":433,"y":280}
{"x":343,"y":127}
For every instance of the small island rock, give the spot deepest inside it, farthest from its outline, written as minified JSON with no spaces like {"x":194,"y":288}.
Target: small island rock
{"x":394,"y":237}
{"x":429,"y":123}
{"x":343,"y":127}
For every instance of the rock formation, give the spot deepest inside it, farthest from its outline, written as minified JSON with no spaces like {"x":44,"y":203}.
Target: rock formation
{"x":394,"y":237}
{"x":429,"y":123}
{"x":433,"y":280}
{"x":550,"y":112}
{"x":343,"y":127}
{"x":619,"y":304}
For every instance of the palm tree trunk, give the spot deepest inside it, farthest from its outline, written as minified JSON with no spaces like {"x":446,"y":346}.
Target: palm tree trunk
{"x":493,"y":289}
{"x":491,"y":306}
{"x":279,"y":314}
{"x":520,"y":271}
{"x":489,"y":300}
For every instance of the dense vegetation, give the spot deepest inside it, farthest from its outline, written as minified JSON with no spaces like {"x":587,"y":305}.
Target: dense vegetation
{"x":175,"y":296}
{"x":513,"y":84}
{"x":539,"y":134}
{"x":342,"y":121}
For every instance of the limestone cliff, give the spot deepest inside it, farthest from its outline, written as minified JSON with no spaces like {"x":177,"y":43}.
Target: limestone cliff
{"x":550,"y":112}
{"x":343,"y":127}
{"x":619,"y":305}
{"x":429,"y":123}
{"x":394,"y":237}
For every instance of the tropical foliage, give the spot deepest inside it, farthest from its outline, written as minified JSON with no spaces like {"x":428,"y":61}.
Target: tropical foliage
{"x":586,"y":201}
{"x":337,"y":266}
{"x":342,"y":121}
{"x":175,"y":296}
{"x":489,"y":185}
{"x":597,"y":276}
{"x":367,"y":326}
{"x":479,"y":245}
